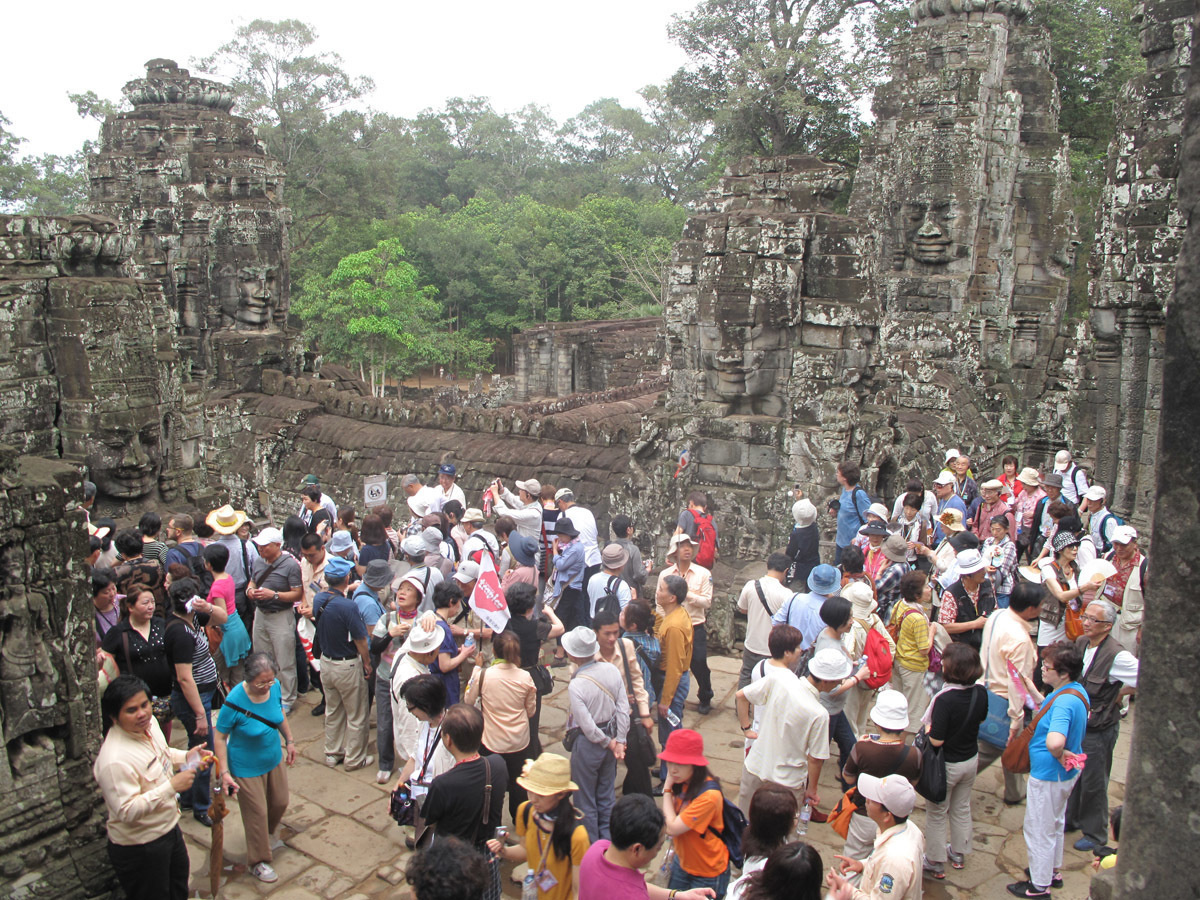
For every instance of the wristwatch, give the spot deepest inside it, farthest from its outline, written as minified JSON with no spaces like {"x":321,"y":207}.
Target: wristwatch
{"x":277,"y":596}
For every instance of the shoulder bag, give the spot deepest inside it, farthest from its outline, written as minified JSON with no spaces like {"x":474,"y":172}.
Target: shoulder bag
{"x":639,"y":740}
{"x":839,"y":816}
{"x":1016,"y":755}
{"x":403,"y":807}
{"x":997,"y":725}
{"x":931,"y":784}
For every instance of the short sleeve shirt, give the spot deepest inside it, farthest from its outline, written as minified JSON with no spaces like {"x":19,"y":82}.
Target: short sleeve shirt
{"x":1068,"y":716}
{"x":700,"y":850}
{"x":284,"y":577}
{"x":536,"y":844}
{"x":338,"y":625}
{"x":254,"y":746}
{"x":449,"y":678}
{"x":601,"y":880}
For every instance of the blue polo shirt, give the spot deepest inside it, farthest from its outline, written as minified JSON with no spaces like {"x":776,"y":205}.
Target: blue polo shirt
{"x":1068,"y":716}
{"x":339,"y":625}
{"x":803,"y":612}
{"x":368,"y":605}
{"x":849,"y":520}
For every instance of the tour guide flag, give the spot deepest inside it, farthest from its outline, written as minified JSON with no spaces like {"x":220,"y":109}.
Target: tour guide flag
{"x":487,"y":599}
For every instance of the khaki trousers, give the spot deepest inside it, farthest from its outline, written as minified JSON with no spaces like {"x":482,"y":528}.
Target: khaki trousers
{"x":912,"y":685}
{"x":347,"y":728}
{"x":751,"y":783}
{"x":263,"y":801}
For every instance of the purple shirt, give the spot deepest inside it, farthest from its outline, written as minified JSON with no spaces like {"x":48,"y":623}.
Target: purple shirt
{"x":601,"y":880}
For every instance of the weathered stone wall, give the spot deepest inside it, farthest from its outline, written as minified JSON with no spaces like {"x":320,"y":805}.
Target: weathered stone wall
{"x":52,"y":840}
{"x":1138,"y":238}
{"x":555,"y":360}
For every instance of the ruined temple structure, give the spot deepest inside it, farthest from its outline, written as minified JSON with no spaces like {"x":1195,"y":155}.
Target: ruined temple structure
{"x":929,"y":315}
{"x":52,"y":838}
{"x":1138,"y":240}
{"x":558,"y":359}
{"x":194,"y":189}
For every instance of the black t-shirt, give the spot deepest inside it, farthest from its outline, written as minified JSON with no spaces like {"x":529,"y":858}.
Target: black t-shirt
{"x":320,"y":517}
{"x":531,"y":633}
{"x":148,"y":658}
{"x":455,"y":801}
{"x":950,"y":722}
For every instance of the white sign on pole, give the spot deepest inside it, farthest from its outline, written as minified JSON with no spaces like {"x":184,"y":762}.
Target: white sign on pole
{"x":375,"y":490}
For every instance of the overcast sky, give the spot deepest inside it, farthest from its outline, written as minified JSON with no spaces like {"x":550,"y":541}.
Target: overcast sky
{"x":557,"y":54}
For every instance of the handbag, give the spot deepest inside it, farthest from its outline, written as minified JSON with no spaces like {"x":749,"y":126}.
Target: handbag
{"x":931,"y":783}
{"x":839,"y":816}
{"x":639,"y":744}
{"x":401,"y":807}
{"x":542,"y":679}
{"x":996,"y":726}
{"x":1016,"y":755}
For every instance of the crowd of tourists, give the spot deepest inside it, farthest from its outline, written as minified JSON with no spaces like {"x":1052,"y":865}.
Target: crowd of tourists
{"x":973,"y":620}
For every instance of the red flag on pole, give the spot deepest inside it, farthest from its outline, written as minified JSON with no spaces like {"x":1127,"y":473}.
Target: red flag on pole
{"x":487,"y":599}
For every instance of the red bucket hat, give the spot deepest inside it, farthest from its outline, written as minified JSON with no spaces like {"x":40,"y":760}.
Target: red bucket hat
{"x":684,"y":747}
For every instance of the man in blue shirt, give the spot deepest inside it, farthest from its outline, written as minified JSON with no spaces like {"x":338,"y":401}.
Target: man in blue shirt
{"x":1053,"y":768}
{"x":944,"y":489}
{"x":345,"y":668}
{"x":803,"y":611}
{"x":852,"y":507}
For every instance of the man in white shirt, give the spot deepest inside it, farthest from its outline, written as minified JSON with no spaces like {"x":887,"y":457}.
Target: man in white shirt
{"x":1075,"y":483}
{"x":446,"y":489}
{"x":1102,"y":523}
{"x":420,"y":497}
{"x":612,"y":561}
{"x":893,"y":870}
{"x":760,"y":599}
{"x":794,"y":741}
{"x":478,"y":541}
{"x":585,"y":523}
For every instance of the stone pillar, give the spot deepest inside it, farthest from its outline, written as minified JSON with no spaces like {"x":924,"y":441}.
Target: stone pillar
{"x":1161,"y":827}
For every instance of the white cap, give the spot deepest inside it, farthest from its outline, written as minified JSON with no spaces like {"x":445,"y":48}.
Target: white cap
{"x":895,"y":792}
{"x":878,"y":509}
{"x":1096,"y":492}
{"x":1124,"y":534}
{"x":467,"y":572}
{"x":945,"y":478}
{"x":422,"y":641}
{"x":1062,"y":460}
{"x":952,"y":455}
{"x":268,"y":536}
{"x":890,"y":711}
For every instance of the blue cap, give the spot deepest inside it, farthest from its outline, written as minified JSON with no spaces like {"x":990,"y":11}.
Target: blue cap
{"x":447,"y":469}
{"x":824,"y":579}
{"x":337,"y":567}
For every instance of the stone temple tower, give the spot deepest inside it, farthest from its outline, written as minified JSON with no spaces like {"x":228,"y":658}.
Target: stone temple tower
{"x":195,"y":189}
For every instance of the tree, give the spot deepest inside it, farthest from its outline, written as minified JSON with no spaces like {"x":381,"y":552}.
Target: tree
{"x":779,"y":76}
{"x":46,"y":185}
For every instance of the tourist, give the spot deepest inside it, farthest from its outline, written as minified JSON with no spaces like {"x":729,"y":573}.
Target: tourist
{"x":1101,"y":523}
{"x":1041,"y":524}
{"x":966,"y":487}
{"x":345,"y":668}
{"x":425,"y":699}
{"x":1011,"y":487}
{"x":992,"y":505}
{"x":1060,"y":574}
{"x":850,"y":508}
{"x":455,"y":805}
{"x":326,"y":502}
{"x":150,"y":527}
{"x":770,"y":821}
{"x":1005,"y":641}
{"x":566,"y":592}
{"x":346,"y":521}
{"x":229,"y":524}
{"x":317,"y":519}
{"x":894,"y":867}
{"x":999,"y":552}
{"x":914,"y":639}
{"x":313,"y":557}
{"x":865,"y":621}
{"x":507,"y":697}
{"x":252,"y":759}
{"x":1074,"y":479}
{"x":1028,"y":499}
{"x":1126,"y":589}
{"x":835,"y":614}
{"x":894,"y":551}
{"x":693,"y":807}
{"x":387,"y":518}
{"x":804,"y":543}
{"x":375,"y":543}
{"x":478,"y":541}
{"x":675,"y":640}
{"x":447,"y":606}
{"x":341,"y":544}
{"x":608,"y":580}
{"x":195,"y":678}
{"x":523,"y":551}
{"x":448,"y":870}
{"x":421,"y":646}
{"x":293,"y":532}
{"x":447,"y":490}
{"x":636,"y":569}
{"x":372,"y":593}
{"x":791,"y":872}
{"x":552,"y":841}
{"x":275,"y":585}
{"x":1109,"y":672}
{"x":803,"y":611}
{"x":585,"y":523}
{"x":637,"y":620}
{"x":697,"y":523}
{"x":105,"y":529}
{"x":180,"y":530}
{"x":952,"y":722}
{"x":680,"y":556}
{"x":523,"y":507}
{"x":760,"y":599}
{"x":947,"y":501}
{"x":504,"y":527}
{"x":940,"y":560}
{"x":134,"y":572}
{"x":91,"y":561}
{"x":926,"y":505}
{"x":532,"y":630}
{"x":599,"y":711}
{"x":880,"y":755}
{"x":791,"y":742}
{"x":423,"y":553}
{"x":135,"y":769}
{"x":138,"y":644}
{"x":387,"y":636}
{"x":853,"y":564}
{"x":104,"y":599}
{"x":911,"y":525}
{"x":622,"y":654}
{"x":1054,"y":749}
{"x":550,"y":514}
{"x":235,"y":640}
{"x":870,"y":539}
{"x":419,"y":497}
{"x":969,"y":601}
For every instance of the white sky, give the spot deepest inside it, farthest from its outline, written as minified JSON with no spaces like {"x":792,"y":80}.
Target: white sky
{"x":561,"y":55}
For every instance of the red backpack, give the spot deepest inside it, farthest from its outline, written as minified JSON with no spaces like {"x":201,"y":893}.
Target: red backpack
{"x":706,"y":535}
{"x":879,"y":659}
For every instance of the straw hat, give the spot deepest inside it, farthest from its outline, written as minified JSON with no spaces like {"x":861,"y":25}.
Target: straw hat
{"x":951,"y":520}
{"x":226,"y":520}
{"x":1028,"y":477}
{"x":547,"y":775}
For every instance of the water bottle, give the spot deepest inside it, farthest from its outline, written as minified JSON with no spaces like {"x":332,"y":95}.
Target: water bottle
{"x":805,"y":818}
{"x":673,"y":719}
{"x":665,"y":869}
{"x":529,"y":890}
{"x":470,"y":641}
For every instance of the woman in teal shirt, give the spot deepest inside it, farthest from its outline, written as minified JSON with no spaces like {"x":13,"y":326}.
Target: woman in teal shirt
{"x":247,"y":742}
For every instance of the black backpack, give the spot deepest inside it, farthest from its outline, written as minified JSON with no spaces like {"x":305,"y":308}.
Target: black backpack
{"x":200,"y":574}
{"x":735,"y":827}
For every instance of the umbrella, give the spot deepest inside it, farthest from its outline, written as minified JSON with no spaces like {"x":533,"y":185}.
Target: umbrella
{"x":217,"y":812}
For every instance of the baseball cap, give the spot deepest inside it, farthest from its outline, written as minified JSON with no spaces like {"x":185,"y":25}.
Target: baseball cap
{"x":268,"y":536}
{"x":952,"y":455}
{"x":564,"y":494}
{"x":447,"y":469}
{"x":945,"y":478}
{"x":1096,"y":492}
{"x":894,"y":792}
{"x":1062,"y":460}
{"x":1124,"y":534}
{"x":467,"y":572}
{"x":338,"y":566}
{"x":533,"y":487}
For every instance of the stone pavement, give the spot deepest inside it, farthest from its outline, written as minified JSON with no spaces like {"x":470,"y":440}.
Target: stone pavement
{"x":337,"y":840}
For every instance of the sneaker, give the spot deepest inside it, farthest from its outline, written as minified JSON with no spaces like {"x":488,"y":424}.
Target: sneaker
{"x":264,"y":873}
{"x":383,"y":776}
{"x":933,"y":869}
{"x":956,"y":859}
{"x":1027,"y":889}
{"x":1055,"y":880}
{"x":367,"y":760}
{"x":1085,"y":845}
{"x":332,"y":761}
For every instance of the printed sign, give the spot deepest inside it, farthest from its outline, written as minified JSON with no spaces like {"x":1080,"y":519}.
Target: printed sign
{"x":375,"y":490}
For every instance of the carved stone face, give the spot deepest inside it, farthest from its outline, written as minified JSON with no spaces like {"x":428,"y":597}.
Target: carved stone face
{"x":933,"y":230}
{"x":249,"y":296}
{"x":124,"y":453}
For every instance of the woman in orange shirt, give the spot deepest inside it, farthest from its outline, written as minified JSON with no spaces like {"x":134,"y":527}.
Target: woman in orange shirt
{"x":692,"y":807}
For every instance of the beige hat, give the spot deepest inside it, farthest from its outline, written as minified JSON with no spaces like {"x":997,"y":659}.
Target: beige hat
{"x":474,"y":516}
{"x":676,"y":540}
{"x":614,"y":556}
{"x":895,"y":548}
{"x":1062,"y":460}
{"x":1029,"y":476}
{"x":547,"y":775}
{"x":951,"y":520}
{"x":532,"y":487}
{"x":226,"y":520}
{"x":862,"y":600}
{"x":993,"y":484}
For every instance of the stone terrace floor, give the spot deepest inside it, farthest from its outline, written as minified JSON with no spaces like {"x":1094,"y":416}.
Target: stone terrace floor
{"x":338,"y":841}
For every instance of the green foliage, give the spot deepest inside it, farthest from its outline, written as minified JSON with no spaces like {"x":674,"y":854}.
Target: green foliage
{"x":46,"y":185}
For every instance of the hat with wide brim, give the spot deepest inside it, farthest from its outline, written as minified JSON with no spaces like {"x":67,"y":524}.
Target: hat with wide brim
{"x":684,"y":748}
{"x":614,"y":556}
{"x":824,"y":579}
{"x":422,"y":641}
{"x":895,"y":548}
{"x":1029,"y":477}
{"x":580,"y":642}
{"x":830,"y":664}
{"x":890,"y":711}
{"x":341,"y":542}
{"x":523,"y":548}
{"x":564,"y":527}
{"x":378,"y":574}
{"x":952,"y":520}
{"x":547,"y":775}
{"x":862,"y":601}
{"x":879,"y":529}
{"x":1064,"y":539}
{"x":804,"y":513}
{"x":676,"y":539}
{"x":226,"y":520}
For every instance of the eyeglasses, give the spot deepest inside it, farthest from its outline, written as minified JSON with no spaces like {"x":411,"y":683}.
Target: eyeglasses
{"x":260,"y":686}
{"x":1094,"y":619}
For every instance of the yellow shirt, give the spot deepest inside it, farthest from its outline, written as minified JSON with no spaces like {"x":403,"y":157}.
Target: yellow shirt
{"x":537,"y":845}
{"x":675,"y":638}
{"x":912,"y":647}
{"x":134,"y":773}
